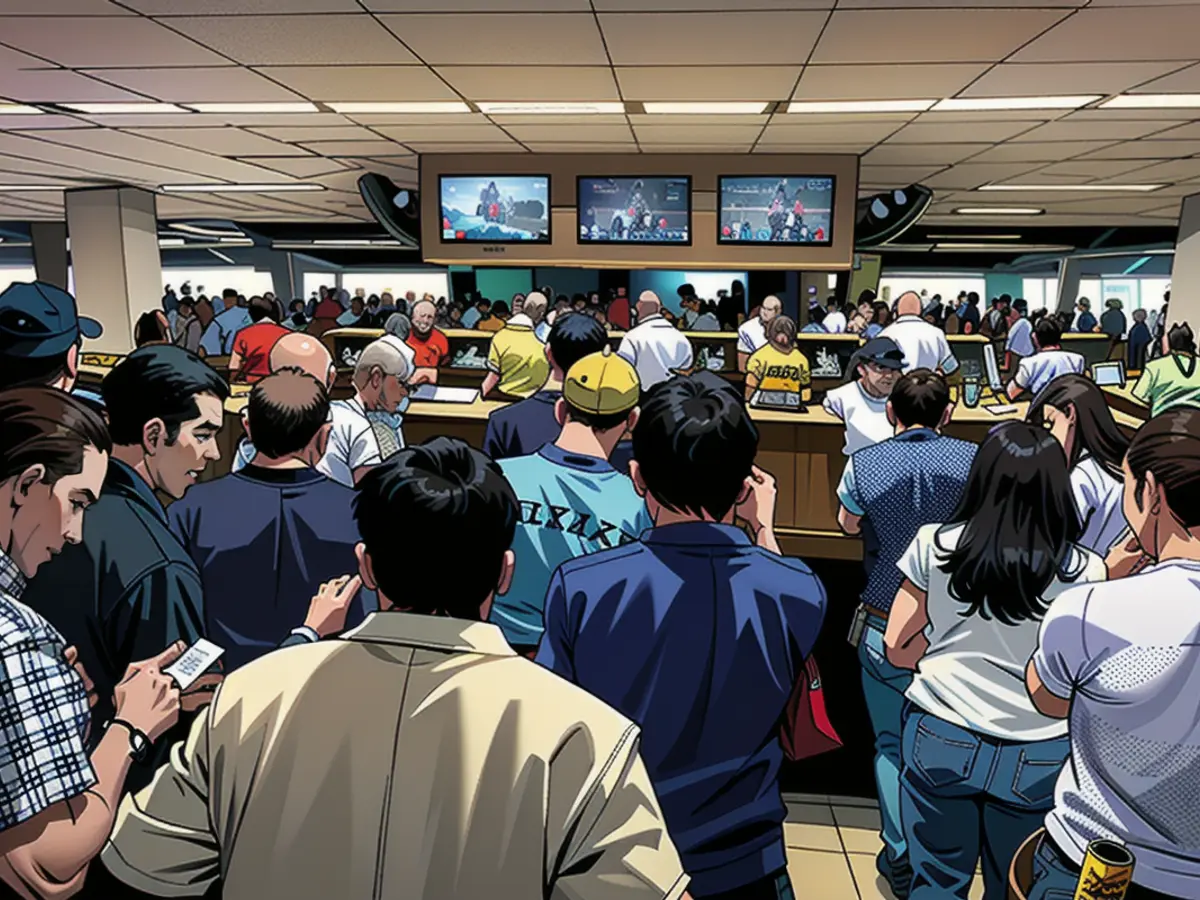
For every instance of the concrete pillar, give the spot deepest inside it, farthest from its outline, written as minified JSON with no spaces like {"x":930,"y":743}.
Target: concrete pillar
{"x":114,"y":253}
{"x":1185,"y":273}
{"x":1069,"y":273}
{"x":282,"y":278}
{"x":50,"y":252}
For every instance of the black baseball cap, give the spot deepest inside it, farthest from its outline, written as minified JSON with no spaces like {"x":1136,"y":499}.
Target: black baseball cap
{"x":39,"y":320}
{"x":883,"y":352}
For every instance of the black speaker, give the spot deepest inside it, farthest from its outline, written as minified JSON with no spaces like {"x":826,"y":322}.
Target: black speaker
{"x":884,"y":217}
{"x":395,"y":208}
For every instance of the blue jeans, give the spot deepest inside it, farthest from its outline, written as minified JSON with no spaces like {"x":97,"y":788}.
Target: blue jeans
{"x":883,"y":687}
{"x":964,"y":796}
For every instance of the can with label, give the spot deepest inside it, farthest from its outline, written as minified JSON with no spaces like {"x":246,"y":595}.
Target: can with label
{"x":1106,"y":873}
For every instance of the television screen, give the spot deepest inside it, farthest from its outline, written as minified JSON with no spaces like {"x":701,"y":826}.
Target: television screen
{"x":793,"y":210}
{"x":646,"y":210}
{"x":495,"y":209}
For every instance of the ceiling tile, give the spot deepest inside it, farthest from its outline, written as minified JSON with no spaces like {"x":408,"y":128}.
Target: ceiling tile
{"x":654,"y":38}
{"x":439,"y":147}
{"x":244,"y":7}
{"x":532,"y":84}
{"x":1036,"y":79}
{"x":680,"y":134}
{"x":587,"y":147}
{"x":36,"y":123}
{"x":1092,"y":169}
{"x":968,"y":176}
{"x":936,"y":154}
{"x":1141,"y":31}
{"x":11,"y":60}
{"x":58,"y":86}
{"x":1165,"y":117}
{"x":1110,"y":205}
{"x":931,"y":132}
{"x":1175,"y":170}
{"x":704,"y":5}
{"x":1090,"y":131}
{"x":863,"y":134}
{"x":1148,"y":149}
{"x":85,"y":163}
{"x":706,"y":83}
{"x":104,"y":41}
{"x":63,"y":8}
{"x":886,"y":82}
{"x":353,"y":148}
{"x":1038,"y":151}
{"x":478,"y":6}
{"x":550,"y":133}
{"x":299,"y":166}
{"x":365,"y":84}
{"x":1189,"y":132}
{"x":299,"y":135}
{"x":929,"y":35}
{"x":451,"y":134}
{"x":1186,"y":80}
{"x":295,"y":40}
{"x":501,"y":39}
{"x":221,"y":141}
{"x":224,"y":84}
{"x":895,"y":176}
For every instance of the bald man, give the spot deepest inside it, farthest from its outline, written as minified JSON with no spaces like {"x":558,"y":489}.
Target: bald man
{"x":924,"y":345}
{"x":306,"y":353}
{"x":429,"y":344}
{"x":654,"y":346}
{"x":752,"y":336}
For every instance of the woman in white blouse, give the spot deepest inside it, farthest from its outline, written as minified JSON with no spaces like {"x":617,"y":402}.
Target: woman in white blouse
{"x":979,"y":761}
{"x":1072,"y":408}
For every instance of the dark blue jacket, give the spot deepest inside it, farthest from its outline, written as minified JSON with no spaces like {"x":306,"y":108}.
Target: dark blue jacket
{"x":524,"y":427}
{"x":264,"y":541}
{"x":697,"y":636}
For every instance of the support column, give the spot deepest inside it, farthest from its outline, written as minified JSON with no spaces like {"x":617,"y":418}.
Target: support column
{"x":1185,"y":273}
{"x":1069,"y":273}
{"x":114,"y":253}
{"x":50,"y":252}
{"x":282,"y":279}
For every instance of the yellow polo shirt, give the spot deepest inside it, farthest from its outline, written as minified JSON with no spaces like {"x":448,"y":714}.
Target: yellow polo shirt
{"x":779,"y":371}
{"x":519,"y":358}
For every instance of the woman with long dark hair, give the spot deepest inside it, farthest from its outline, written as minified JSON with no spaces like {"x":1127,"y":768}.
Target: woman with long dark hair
{"x":979,"y":761}
{"x":1072,"y":408}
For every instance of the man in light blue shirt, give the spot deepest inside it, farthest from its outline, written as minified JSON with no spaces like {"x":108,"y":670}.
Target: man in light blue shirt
{"x":217,"y":339}
{"x":573,"y":501}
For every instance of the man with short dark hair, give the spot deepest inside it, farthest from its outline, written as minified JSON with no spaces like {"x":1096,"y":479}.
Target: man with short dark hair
{"x":422,"y":709}
{"x":217,"y":339}
{"x":888,"y":491}
{"x":1051,"y":360}
{"x":265,"y":538}
{"x":697,"y":634}
{"x":129,"y":589}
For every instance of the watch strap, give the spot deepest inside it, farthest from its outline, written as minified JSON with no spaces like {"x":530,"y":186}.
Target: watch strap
{"x":139,"y":742}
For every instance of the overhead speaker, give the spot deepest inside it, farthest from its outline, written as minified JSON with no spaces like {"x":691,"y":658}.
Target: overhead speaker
{"x":884,"y":217}
{"x":397,"y":209}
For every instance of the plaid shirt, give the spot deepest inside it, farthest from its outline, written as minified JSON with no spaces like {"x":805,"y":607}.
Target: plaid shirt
{"x":43,"y":711}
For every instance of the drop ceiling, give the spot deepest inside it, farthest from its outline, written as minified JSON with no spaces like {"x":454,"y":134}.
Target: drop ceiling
{"x":55,"y":53}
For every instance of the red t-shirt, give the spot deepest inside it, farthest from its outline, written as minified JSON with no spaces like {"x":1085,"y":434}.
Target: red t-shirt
{"x":618,"y":313}
{"x":253,"y":344}
{"x":429,"y":351}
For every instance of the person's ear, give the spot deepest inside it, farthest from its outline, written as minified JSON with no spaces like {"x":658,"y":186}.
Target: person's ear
{"x":246,"y":426}
{"x":154,"y":434}
{"x":508,"y":565}
{"x":560,"y":411}
{"x":366,"y":570}
{"x":947,"y":415}
{"x":1155,"y":494}
{"x":26,"y":481}
{"x":632,"y":420}
{"x":315,"y":451}
{"x":744,"y":493}
{"x":635,"y":475}
{"x":891,"y":414}
{"x":73,"y":362}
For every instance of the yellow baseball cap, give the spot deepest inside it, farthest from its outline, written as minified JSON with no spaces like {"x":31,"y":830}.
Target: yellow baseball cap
{"x":602,"y":384}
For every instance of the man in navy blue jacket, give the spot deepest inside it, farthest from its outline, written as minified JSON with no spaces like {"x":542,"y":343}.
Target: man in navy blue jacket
{"x":265,"y":538}
{"x":697,"y":635}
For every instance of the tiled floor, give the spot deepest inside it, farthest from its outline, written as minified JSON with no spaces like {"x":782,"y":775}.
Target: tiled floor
{"x":831,"y":847}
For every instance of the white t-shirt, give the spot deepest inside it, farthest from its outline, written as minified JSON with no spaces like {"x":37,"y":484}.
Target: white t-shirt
{"x":1020,"y":338}
{"x":835,"y":323}
{"x":865,"y":416}
{"x":1098,"y":500}
{"x":752,"y":336}
{"x":352,"y":442}
{"x":1036,"y":371}
{"x":1126,"y":654}
{"x":973,"y":674}
{"x":924,"y":345}
{"x":656,"y":349}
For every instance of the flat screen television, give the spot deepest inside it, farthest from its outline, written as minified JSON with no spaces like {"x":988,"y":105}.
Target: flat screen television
{"x":789,"y":210}
{"x":640,"y":210}
{"x":495,"y":209}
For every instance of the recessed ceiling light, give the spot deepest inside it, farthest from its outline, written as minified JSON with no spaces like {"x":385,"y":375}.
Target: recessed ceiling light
{"x":342,"y":242}
{"x":860,"y":106}
{"x":561,"y":109}
{"x":705,"y":109}
{"x":241,"y":188}
{"x":171,"y":242}
{"x":973,"y":237}
{"x":252,"y":107}
{"x":998,"y":211}
{"x":1003,"y":248}
{"x":984,"y":104}
{"x":204,"y":230}
{"x":1070,"y":187}
{"x":8,"y":188}
{"x":1152,"y":101}
{"x":18,"y":109}
{"x":413,"y":108}
{"x":120,"y":109}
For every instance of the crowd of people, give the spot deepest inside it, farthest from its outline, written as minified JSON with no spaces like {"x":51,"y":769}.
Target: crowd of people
{"x":568,"y":663}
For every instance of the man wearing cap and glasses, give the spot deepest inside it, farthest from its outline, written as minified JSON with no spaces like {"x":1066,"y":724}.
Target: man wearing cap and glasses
{"x":862,"y":402}
{"x":572,"y":500}
{"x":41,"y":333}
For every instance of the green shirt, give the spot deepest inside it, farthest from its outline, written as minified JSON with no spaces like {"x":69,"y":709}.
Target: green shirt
{"x":1168,"y":382}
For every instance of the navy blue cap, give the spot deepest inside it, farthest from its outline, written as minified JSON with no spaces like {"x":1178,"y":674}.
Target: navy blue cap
{"x":39,"y":320}
{"x":882,"y":352}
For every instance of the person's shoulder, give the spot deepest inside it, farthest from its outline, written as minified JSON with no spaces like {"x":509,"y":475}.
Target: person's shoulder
{"x":605,"y":565}
{"x":788,"y":572}
{"x":516,"y":466}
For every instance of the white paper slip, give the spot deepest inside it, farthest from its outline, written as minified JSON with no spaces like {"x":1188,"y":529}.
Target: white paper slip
{"x":435,"y":393}
{"x":1001,"y":410}
{"x":196,"y":660}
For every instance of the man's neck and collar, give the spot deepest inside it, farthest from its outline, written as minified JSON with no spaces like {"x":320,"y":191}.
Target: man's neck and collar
{"x":129,"y":460}
{"x":910,"y":317}
{"x":916,"y":432}
{"x":12,"y":579}
{"x":577,"y":440}
{"x":687,"y":529}
{"x":1177,"y":544}
{"x":651,"y":318}
{"x":520,"y":320}
{"x":395,"y":625}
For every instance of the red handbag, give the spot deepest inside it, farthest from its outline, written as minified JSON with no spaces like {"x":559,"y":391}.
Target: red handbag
{"x":806,"y":729}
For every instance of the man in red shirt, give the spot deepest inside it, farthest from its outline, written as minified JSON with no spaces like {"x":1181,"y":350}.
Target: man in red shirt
{"x":250,"y":360}
{"x":429,"y":345}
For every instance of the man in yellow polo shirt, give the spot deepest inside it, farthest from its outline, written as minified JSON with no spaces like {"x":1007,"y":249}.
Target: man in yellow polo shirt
{"x":778,"y":365}
{"x":517,"y":364}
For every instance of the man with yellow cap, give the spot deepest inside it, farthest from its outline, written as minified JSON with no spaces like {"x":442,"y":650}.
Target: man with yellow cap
{"x":572,"y":500}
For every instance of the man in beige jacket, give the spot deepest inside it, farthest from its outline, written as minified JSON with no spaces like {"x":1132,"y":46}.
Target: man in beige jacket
{"x":418,"y":756}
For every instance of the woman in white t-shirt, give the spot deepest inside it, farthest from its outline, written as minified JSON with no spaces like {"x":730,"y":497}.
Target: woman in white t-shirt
{"x":979,"y":761}
{"x":1072,"y":408}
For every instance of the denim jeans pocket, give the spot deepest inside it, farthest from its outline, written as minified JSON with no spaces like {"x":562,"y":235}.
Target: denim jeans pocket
{"x":942,"y":753}
{"x":1050,"y":880}
{"x":1037,"y":771}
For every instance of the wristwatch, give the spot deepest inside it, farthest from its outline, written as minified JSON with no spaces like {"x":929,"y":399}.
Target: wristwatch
{"x":139,"y":743}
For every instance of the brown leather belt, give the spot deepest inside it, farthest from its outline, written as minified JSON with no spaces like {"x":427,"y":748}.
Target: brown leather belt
{"x":872,"y":611}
